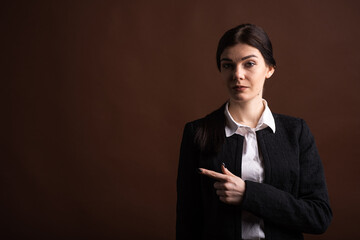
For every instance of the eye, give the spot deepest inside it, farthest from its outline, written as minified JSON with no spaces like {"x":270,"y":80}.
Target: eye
{"x":250,"y":64}
{"x":226,"y":65}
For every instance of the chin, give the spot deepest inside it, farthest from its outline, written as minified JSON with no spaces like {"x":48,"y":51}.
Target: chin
{"x":238,"y":99}
{"x":241,"y":98}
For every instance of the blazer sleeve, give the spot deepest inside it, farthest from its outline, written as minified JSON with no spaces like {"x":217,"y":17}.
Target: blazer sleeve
{"x":309,"y":211}
{"x":188,"y":209}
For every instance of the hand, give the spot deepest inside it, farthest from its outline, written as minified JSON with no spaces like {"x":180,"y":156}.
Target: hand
{"x":229,"y":188}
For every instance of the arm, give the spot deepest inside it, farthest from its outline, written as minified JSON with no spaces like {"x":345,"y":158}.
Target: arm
{"x":188,"y":209}
{"x":310,"y":211}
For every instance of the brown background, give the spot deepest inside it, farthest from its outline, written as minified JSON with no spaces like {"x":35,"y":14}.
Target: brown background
{"x":95,"y":95}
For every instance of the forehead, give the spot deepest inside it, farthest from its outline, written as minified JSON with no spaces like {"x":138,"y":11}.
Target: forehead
{"x":239,"y":51}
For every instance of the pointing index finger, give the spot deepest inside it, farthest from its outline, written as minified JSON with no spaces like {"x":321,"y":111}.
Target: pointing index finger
{"x":213,"y":174}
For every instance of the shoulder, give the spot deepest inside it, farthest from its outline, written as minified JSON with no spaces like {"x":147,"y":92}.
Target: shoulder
{"x":208,"y":132}
{"x":282,"y":120}
{"x":291,"y":125}
{"x":215,"y":117}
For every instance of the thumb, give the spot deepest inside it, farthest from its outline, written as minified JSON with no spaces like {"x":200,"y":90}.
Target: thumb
{"x":225,"y":170}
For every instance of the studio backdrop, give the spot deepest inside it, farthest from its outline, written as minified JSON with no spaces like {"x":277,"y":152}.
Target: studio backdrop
{"x":96,"y":95}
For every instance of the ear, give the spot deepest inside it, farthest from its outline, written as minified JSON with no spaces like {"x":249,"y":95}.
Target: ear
{"x":270,"y":72}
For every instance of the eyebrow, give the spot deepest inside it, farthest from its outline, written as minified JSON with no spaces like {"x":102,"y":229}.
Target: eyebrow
{"x":242,"y":59}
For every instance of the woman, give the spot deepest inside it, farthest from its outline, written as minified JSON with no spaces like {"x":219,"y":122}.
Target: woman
{"x":244,"y":172}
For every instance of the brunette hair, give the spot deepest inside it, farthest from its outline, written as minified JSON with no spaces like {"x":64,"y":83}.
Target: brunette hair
{"x":210,"y":134}
{"x":249,"y":34}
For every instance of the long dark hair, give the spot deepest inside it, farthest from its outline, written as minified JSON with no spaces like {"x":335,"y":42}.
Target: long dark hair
{"x":211,"y":133}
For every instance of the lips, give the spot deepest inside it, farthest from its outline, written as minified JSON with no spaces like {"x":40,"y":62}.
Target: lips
{"x":240,"y":88}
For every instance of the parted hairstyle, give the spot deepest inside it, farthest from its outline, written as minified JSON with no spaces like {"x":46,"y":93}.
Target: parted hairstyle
{"x":210,"y":134}
{"x":249,"y":34}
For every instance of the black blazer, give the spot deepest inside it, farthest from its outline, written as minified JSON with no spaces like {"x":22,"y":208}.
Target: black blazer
{"x":292,"y":200}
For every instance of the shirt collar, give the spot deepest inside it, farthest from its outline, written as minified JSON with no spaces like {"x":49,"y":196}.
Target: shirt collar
{"x":266,"y":120}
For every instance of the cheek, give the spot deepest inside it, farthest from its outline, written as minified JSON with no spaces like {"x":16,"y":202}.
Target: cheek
{"x":260,"y":80}
{"x":260,"y":84}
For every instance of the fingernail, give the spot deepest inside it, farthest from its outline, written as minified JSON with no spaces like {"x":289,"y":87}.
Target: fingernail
{"x":199,"y":170}
{"x":223,"y":165}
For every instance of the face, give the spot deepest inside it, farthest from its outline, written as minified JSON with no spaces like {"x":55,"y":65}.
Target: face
{"x":244,"y":70}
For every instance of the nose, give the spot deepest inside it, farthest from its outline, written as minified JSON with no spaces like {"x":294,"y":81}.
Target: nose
{"x":239,"y":73}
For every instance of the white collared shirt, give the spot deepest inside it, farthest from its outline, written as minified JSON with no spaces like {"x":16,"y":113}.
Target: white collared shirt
{"x":252,"y":167}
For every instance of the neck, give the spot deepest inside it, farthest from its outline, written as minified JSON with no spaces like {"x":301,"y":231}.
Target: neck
{"x":247,"y":113}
